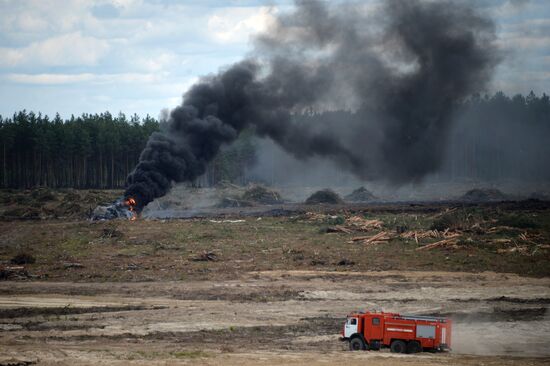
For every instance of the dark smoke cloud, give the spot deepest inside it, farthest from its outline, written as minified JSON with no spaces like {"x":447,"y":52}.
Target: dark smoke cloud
{"x":402,"y":68}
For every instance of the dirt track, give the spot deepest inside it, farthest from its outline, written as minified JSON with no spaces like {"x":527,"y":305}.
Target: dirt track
{"x":277,"y":317}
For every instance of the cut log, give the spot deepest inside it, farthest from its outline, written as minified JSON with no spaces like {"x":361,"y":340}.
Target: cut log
{"x":338,"y":229}
{"x":381,"y":236}
{"x":358,"y":238}
{"x":439,"y":244}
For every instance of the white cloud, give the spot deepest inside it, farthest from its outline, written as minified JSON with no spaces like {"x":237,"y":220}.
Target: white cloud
{"x":49,"y":78}
{"x":156,"y":63}
{"x":64,"y":50}
{"x":26,"y":22}
{"x":54,"y":79}
{"x":10,"y":57}
{"x":517,"y":41}
{"x":237,"y":24}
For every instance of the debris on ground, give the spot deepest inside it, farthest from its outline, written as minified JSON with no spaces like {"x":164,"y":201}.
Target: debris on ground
{"x":484,"y":195}
{"x":327,"y":196}
{"x":206,"y":257}
{"x":13,"y":273}
{"x":316,"y":217}
{"x":68,"y":209}
{"x":15,"y":362}
{"x":22,"y":213}
{"x":499,"y":241}
{"x":45,"y":203}
{"x":341,"y":224}
{"x":262,"y":195}
{"x":381,"y":237}
{"x":439,"y":244}
{"x":361,"y":224}
{"x":345,"y":262}
{"x":360,"y":195}
{"x":423,"y":234}
{"x":111,"y":231}
{"x":337,"y":229}
{"x":72,"y":265}
{"x":498,"y":229}
{"x":524,"y":249}
{"x":23,"y":258}
{"x":117,"y":209}
{"x":516,"y":249}
{"x":226,"y":221}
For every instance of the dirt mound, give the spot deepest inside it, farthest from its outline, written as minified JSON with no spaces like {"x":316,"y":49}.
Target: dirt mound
{"x":45,"y":203}
{"x":484,"y":195}
{"x":71,"y":209}
{"x":541,"y":196}
{"x":360,"y":195}
{"x":262,"y":195}
{"x":43,"y":195}
{"x":324,"y":196}
{"x":21,"y":213}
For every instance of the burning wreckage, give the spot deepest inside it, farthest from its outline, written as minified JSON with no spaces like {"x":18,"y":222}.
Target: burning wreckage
{"x":120,"y":209}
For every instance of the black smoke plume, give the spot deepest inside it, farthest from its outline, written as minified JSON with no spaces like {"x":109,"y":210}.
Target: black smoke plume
{"x":401,"y":67}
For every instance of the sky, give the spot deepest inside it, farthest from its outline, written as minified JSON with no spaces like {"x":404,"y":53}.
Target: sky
{"x":139,"y":56}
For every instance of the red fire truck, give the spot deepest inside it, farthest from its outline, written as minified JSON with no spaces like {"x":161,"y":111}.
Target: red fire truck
{"x":401,"y":333}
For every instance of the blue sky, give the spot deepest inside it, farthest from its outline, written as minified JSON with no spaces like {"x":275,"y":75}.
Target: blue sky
{"x":139,"y":56}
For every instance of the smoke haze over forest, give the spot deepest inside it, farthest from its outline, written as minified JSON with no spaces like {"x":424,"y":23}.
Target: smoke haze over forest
{"x":402,"y":69}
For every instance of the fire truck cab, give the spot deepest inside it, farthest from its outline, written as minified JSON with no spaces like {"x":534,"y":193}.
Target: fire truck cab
{"x":401,"y":333}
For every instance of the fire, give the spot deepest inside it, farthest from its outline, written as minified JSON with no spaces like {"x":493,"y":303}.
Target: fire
{"x":131,"y":203}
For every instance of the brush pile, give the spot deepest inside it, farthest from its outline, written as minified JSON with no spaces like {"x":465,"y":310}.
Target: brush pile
{"x":356,"y":224}
{"x":44,"y":203}
{"x":262,"y":195}
{"x":326,"y":196}
{"x":484,"y":195}
{"x":360,"y":195}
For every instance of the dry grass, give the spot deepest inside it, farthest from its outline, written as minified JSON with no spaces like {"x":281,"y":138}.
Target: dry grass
{"x":156,"y":250}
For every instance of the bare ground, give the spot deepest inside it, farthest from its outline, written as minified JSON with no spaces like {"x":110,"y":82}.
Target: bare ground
{"x":270,"y":285}
{"x":499,"y":319}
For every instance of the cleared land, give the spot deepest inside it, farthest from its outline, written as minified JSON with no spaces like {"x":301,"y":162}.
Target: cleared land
{"x":249,"y":288}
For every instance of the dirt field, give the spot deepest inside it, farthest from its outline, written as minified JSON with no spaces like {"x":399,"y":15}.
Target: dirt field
{"x":499,"y":319}
{"x":272,"y":286}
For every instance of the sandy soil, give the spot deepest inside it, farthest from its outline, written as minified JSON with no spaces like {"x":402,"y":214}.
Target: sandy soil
{"x":269,"y":318}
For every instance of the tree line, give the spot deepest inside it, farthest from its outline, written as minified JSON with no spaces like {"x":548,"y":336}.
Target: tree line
{"x":494,"y":138}
{"x":91,"y":151}
{"x":500,"y":138}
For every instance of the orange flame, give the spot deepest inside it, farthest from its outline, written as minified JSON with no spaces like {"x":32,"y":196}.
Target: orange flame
{"x":131,"y":203}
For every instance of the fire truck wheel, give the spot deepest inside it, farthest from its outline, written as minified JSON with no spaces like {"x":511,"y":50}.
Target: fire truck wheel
{"x":357,"y":344}
{"x":398,"y":346}
{"x":413,"y":347}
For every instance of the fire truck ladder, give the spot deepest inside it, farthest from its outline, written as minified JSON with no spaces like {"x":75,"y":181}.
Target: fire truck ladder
{"x":420,"y":317}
